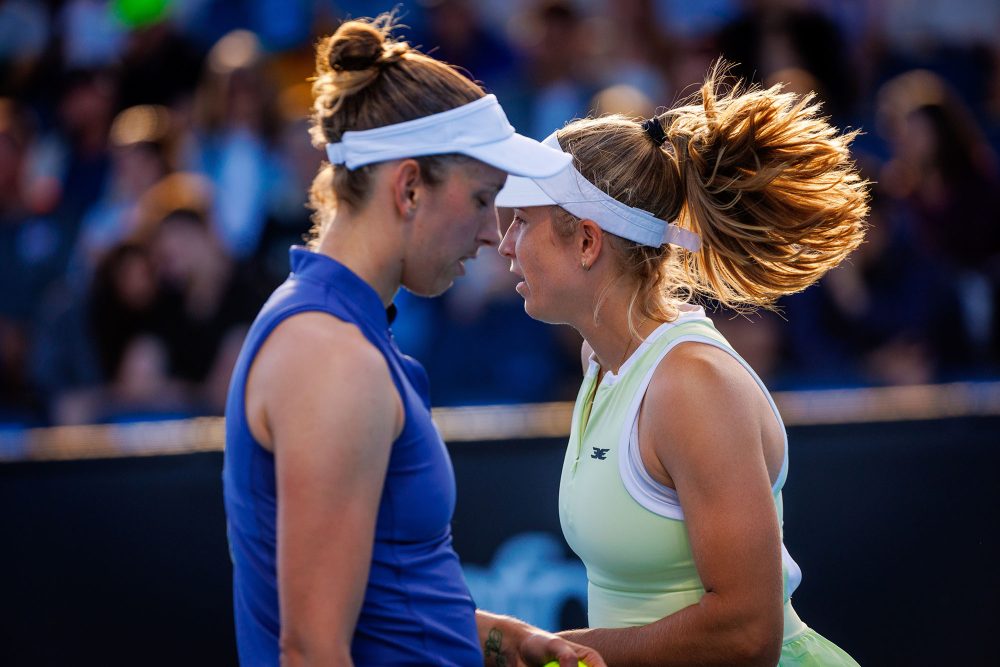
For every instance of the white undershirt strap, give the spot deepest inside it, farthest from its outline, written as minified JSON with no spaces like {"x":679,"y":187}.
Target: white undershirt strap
{"x":663,"y":500}
{"x":654,"y":496}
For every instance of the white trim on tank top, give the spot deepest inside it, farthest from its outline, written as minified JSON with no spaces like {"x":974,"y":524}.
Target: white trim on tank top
{"x":650,"y":494}
{"x":687,"y":314}
{"x":659,"y":498}
{"x":641,"y":487}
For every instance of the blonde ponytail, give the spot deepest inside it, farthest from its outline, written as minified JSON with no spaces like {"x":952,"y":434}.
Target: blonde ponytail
{"x":771,"y":187}
{"x":765,"y":180}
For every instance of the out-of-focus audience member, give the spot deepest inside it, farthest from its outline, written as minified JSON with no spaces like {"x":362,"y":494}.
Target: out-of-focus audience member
{"x":880,"y":318}
{"x":236,"y":117}
{"x":29,"y":260}
{"x":214,"y":296}
{"x":462,"y":38}
{"x":139,"y":158}
{"x":296,"y":163}
{"x":90,"y":35}
{"x":945,"y":179}
{"x":634,"y":51}
{"x":772,"y":37}
{"x":159,"y":65}
{"x":128,"y":314}
{"x":560,"y":72}
{"x":86,"y":109}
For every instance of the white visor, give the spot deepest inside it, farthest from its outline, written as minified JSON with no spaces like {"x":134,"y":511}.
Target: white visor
{"x":569,"y":190}
{"x":478,"y":129}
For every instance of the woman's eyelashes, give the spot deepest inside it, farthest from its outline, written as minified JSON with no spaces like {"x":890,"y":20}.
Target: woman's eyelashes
{"x":485,"y":199}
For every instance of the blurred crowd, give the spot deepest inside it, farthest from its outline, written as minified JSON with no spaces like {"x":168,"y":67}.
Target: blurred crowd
{"x":154,"y":164}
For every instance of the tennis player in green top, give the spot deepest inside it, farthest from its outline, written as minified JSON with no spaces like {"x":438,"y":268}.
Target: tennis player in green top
{"x":671,"y":486}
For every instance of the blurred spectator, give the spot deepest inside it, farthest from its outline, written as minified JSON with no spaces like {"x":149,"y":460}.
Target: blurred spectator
{"x":882,"y":317}
{"x":215,"y":297}
{"x":29,"y":259}
{"x":296,"y":163}
{"x":159,"y":65}
{"x":128,"y":315}
{"x":86,"y":109}
{"x":558,"y":46}
{"x":24,"y":35}
{"x":236,"y":125}
{"x":138,"y":151}
{"x":622,"y":99}
{"x":945,"y":180}
{"x":459,"y":37}
{"x":634,"y":51}
{"x":126,"y":302}
{"x":773,"y":40}
{"x":941,"y":167}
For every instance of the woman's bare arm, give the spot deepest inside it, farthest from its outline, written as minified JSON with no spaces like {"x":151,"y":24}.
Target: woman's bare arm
{"x":328,"y":409}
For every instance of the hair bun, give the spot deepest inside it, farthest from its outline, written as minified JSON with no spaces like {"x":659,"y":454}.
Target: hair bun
{"x":355,"y":46}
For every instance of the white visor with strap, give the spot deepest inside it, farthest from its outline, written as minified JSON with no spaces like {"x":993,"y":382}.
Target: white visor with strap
{"x":569,"y":190}
{"x":478,"y":129}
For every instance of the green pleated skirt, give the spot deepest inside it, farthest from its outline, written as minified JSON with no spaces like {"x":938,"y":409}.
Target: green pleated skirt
{"x":811,"y":649}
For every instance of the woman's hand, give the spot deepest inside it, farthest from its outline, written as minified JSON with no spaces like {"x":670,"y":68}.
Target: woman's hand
{"x":541,"y":647}
{"x":508,"y":642}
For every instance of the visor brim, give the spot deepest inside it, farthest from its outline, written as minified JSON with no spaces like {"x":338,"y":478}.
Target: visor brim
{"x":520,"y":156}
{"x":521,"y":192}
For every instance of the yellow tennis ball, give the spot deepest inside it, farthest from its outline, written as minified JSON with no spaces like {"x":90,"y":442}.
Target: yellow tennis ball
{"x":555,"y":663}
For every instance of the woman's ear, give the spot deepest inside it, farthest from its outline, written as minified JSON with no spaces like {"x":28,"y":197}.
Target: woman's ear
{"x":590,"y":238}
{"x":406,"y":186}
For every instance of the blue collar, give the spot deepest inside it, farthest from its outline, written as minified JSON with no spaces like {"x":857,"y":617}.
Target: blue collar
{"x":362,"y":297}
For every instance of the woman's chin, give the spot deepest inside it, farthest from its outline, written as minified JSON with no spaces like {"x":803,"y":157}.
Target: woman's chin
{"x":531,"y":307}
{"x":430,"y":289}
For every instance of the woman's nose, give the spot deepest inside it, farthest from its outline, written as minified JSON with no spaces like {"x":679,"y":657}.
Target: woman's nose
{"x":506,"y":248}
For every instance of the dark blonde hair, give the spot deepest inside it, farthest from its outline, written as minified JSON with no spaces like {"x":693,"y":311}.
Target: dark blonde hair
{"x":365,"y":79}
{"x":767,"y":183}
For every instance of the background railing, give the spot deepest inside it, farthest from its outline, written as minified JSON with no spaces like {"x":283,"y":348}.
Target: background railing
{"x":506,"y":422}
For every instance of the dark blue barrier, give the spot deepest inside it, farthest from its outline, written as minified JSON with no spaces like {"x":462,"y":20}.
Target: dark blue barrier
{"x":124,"y":561}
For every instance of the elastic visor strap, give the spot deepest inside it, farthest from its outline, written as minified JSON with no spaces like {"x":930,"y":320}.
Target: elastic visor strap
{"x":570,"y":190}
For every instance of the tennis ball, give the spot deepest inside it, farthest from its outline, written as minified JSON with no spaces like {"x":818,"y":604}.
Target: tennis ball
{"x":555,"y":663}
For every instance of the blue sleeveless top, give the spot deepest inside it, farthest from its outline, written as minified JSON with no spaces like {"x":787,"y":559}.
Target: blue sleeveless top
{"x":417,"y":609}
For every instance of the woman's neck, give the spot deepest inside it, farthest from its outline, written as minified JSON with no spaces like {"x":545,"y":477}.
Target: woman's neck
{"x":610,"y":335}
{"x":360,"y":244}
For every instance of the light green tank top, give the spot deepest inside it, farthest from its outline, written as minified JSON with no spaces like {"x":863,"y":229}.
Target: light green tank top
{"x":626,"y":528}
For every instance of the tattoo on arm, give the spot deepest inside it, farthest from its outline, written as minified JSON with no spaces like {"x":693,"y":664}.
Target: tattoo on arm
{"x":492,"y":648}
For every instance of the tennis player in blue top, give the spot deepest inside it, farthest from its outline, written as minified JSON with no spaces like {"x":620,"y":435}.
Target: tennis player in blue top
{"x":339,"y":491}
